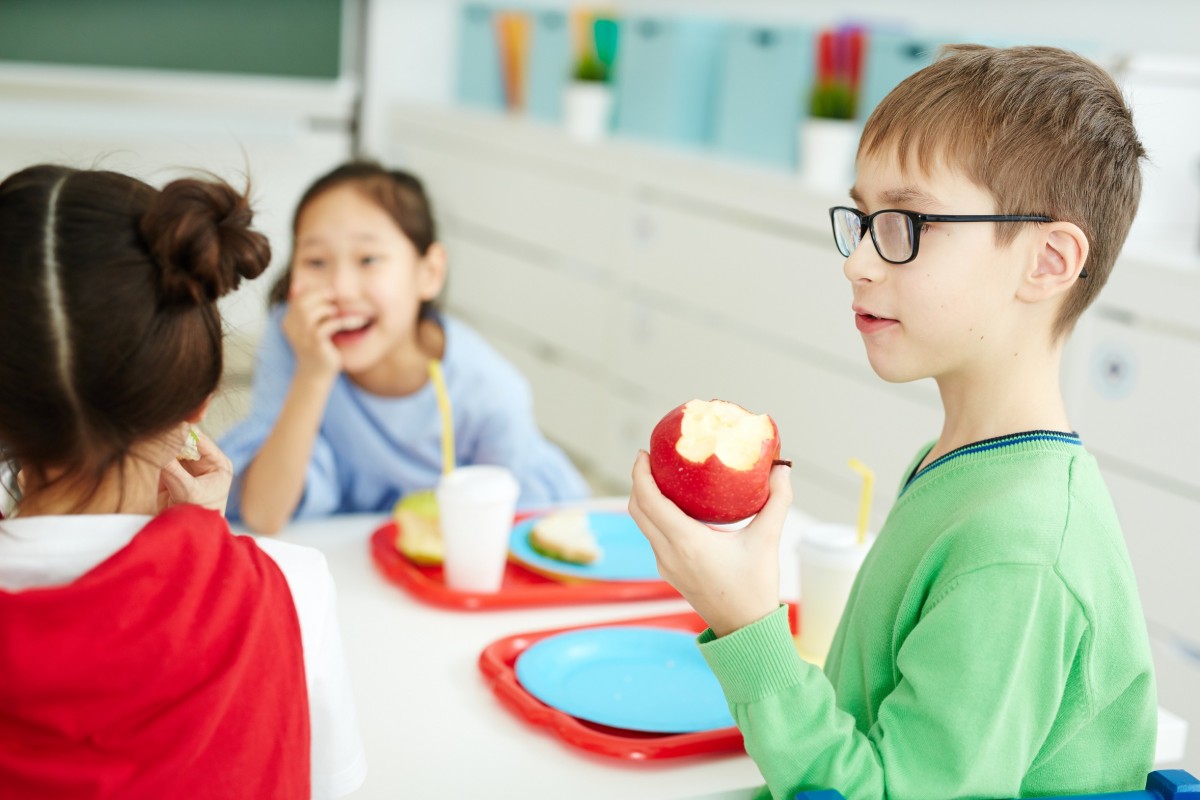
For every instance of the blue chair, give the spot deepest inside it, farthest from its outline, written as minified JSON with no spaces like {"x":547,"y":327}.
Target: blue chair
{"x":1163,"y":784}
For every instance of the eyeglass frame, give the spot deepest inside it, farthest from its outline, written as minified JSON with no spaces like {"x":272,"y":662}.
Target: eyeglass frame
{"x":916,"y":219}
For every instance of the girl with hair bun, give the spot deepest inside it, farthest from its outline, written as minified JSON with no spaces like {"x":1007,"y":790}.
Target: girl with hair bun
{"x":146,"y":651}
{"x":346,"y":414}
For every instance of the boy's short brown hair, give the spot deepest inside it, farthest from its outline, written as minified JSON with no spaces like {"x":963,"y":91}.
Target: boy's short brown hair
{"x":1044,"y":130}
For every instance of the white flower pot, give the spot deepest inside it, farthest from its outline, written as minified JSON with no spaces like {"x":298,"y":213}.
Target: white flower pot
{"x":827,"y":151}
{"x":587,"y":110}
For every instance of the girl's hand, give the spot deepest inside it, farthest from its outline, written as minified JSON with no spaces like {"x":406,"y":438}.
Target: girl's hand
{"x":309,"y":324}
{"x":731,"y":579}
{"x":204,"y":482}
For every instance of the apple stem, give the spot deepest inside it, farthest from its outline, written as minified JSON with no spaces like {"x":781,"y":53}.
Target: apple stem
{"x":781,"y":462}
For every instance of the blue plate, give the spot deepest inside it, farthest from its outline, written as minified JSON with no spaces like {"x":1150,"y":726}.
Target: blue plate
{"x":627,"y":555}
{"x":640,"y":679}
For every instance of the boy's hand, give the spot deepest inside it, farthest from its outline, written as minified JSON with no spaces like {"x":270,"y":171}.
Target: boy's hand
{"x":731,"y":579}
{"x":309,"y":324}
{"x":204,"y":482}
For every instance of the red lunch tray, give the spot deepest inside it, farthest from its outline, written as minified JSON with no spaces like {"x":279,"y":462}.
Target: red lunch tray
{"x":498,"y":661}
{"x":521,"y":587}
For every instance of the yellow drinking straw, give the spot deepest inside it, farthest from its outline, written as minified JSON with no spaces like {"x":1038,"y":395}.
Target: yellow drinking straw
{"x":864,"y":502}
{"x":443,"y":398}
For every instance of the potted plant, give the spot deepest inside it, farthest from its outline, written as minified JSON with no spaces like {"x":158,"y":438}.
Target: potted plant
{"x":588,"y":98}
{"x":829,"y":135}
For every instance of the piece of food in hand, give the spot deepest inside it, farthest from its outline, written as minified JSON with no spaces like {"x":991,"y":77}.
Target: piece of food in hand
{"x":191,"y":447}
{"x":713,"y":459}
{"x":419,"y":536}
{"x":565,"y":536}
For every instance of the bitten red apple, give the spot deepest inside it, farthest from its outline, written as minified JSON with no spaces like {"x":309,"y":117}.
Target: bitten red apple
{"x":713,"y":459}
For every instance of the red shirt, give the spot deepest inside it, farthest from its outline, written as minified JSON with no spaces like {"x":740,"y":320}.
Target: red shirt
{"x":172,"y":669}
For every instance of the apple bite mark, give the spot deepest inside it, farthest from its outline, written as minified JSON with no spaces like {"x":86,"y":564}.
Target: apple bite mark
{"x":713,"y":459}
{"x":728,"y":431}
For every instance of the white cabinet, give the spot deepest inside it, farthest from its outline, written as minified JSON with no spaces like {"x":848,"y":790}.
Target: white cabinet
{"x":1134,"y":398}
{"x":773,"y":279}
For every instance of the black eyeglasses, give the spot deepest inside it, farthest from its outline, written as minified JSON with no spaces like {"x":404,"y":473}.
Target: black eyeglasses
{"x":896,"y":234}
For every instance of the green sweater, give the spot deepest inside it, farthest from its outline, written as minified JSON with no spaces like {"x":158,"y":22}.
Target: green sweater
{"x":993,"y":645}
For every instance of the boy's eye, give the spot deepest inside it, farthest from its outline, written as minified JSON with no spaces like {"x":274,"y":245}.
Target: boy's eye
{"x":313,"y":263}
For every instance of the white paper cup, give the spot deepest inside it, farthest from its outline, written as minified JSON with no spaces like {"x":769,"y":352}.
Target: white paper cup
{"x":830,"y":557}
{"x":475,"y":512}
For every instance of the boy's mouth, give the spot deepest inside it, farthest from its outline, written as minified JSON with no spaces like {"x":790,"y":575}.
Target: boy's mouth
{"x":867,"y":322}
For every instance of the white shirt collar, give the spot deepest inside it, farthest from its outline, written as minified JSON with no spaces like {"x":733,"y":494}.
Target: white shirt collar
{"x":44,"y":551}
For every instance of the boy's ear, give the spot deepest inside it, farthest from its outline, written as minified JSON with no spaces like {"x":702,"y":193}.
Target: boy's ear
{"x":1059,"y":256}
{"x":431,"y":275}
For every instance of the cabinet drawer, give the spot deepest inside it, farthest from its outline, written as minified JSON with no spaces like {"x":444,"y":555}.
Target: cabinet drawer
{"x":1133,"y":397}
{"x":557,"y":307}
{"x":1162,"y":533}
{"x":785,"y":286}
{"x":564,"y":214}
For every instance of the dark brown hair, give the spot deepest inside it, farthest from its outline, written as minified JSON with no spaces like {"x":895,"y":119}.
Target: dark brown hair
{"x":1044,"y":130}
{"x":108,"y":321}
{"x":398,"y":193}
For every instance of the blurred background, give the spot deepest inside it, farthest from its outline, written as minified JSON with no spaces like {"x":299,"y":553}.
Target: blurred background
{"x":634,"y":200}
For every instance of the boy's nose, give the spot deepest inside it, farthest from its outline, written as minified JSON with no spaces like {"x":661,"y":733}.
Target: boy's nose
{"x":864,"y":264}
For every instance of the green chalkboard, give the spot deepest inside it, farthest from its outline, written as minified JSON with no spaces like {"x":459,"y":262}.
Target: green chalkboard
{"x":297,"y":38}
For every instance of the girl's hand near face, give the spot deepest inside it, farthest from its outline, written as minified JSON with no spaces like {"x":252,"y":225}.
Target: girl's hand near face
{"x":309,"y":324}
{"x":730,"y":578}
{"x":204,"y":482}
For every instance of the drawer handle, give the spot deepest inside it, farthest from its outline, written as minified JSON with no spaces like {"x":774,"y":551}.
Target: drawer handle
{"x":764,"y":37}
{"x":649,"y":28}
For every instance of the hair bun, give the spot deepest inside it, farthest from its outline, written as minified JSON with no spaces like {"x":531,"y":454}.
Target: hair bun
{"x":199,"y":234}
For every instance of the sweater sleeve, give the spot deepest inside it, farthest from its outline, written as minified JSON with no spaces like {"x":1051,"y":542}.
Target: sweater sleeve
{"x":508,"y":435}
{"x":979,"y":684}
{"x":273,"y":370}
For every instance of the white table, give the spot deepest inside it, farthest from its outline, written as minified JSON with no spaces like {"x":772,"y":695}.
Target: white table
{"x":432,"y":726}
{"x":430,"y":723}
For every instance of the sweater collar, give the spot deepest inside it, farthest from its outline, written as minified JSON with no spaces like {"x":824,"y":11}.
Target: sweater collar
{"x":1025,"y":441}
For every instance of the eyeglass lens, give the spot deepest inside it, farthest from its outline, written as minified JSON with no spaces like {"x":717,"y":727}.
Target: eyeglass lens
{"x":893,"y":236}
{"x":892,"y":232}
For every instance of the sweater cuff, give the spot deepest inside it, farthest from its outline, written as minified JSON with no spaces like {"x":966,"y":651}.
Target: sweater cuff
{"x":755,"y":661}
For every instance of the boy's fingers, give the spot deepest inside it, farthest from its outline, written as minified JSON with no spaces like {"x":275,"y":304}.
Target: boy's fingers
{"x":772,"y":515}
{"x":649,"y":496}
{"x":781,"y":487}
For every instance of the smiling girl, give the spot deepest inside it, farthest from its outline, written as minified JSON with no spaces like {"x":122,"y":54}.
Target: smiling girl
{"x":344,"y":415}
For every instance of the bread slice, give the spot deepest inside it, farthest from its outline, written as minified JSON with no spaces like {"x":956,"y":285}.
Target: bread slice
{"x":565,"y":536}
{"x":419,"y":536}
{"x":191,"y":447}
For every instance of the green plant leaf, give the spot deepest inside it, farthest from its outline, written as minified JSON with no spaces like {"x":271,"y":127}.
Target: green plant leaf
{"x":832,"y":100}
{"x":591,"y":69}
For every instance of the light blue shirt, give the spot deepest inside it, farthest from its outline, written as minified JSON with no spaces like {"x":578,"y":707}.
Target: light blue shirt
{"x":371,"y":450}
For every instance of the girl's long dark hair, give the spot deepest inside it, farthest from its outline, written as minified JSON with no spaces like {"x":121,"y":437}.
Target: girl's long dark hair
{"x":109,"y":326}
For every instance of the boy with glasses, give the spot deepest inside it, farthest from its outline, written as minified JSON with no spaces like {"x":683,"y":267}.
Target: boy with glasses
{"x":993,"y":644}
